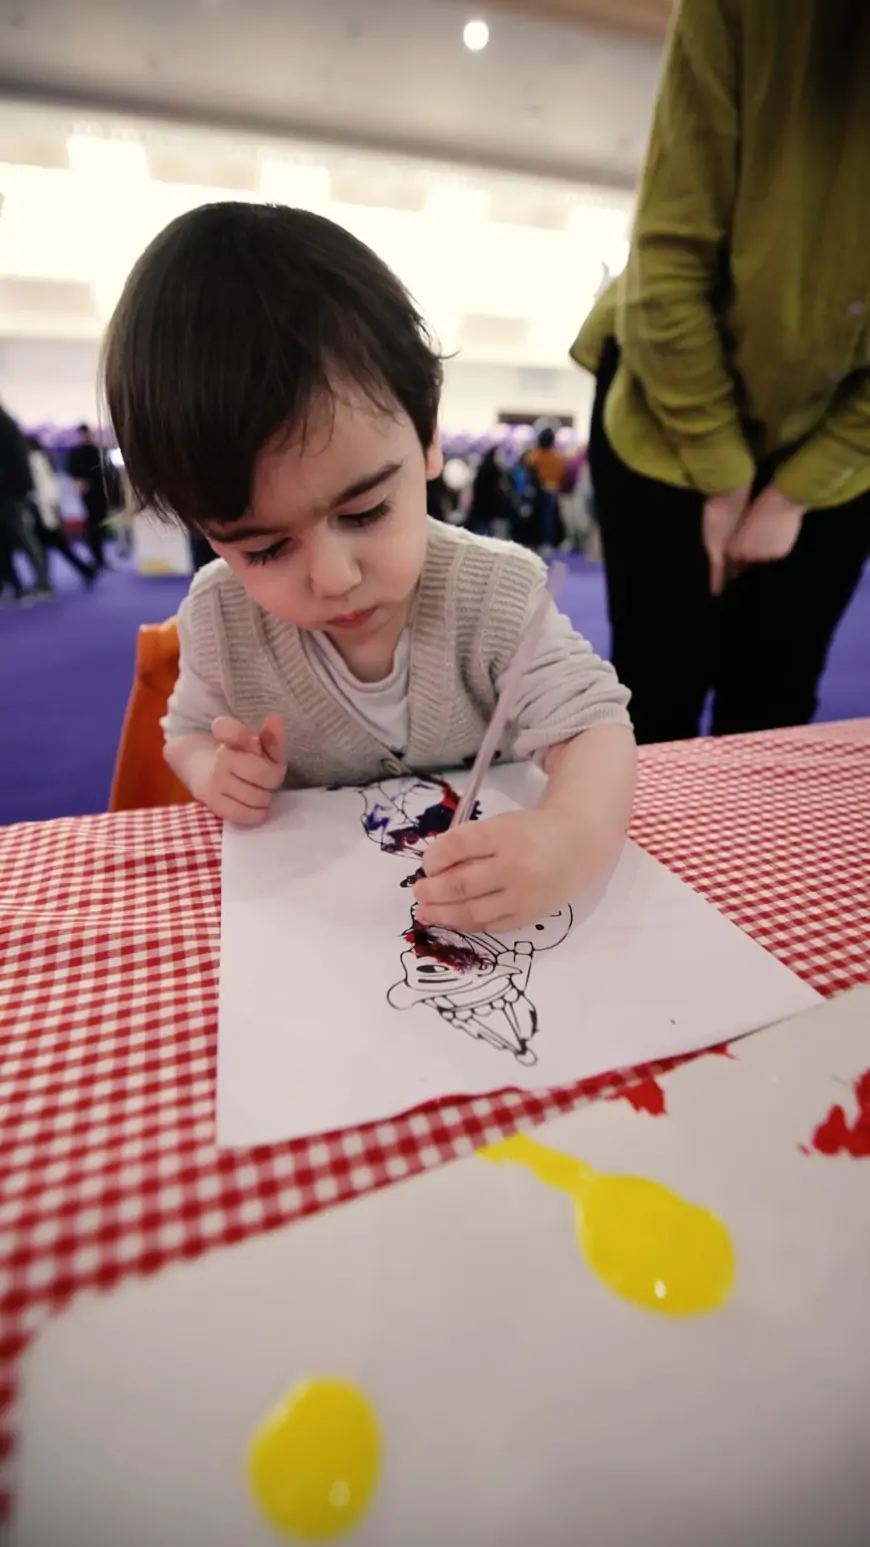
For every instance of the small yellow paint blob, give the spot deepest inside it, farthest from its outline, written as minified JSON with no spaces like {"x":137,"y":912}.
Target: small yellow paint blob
{"x":313,"y":1462}
{"x":642,"y":1240}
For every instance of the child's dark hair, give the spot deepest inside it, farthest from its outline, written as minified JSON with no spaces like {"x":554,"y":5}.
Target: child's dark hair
{"x":235,"y":323}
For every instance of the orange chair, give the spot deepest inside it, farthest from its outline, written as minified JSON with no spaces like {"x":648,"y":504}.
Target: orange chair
{"x":141,"y":776}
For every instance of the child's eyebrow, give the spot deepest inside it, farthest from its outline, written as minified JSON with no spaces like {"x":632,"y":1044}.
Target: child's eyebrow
{"x":354,"y":491}
{"x":367,"y":485}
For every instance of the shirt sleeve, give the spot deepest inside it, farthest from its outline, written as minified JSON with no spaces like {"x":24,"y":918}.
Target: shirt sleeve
{"x":195,"y":700}
{"x":667,"y":327}
{"x":565,"y":689}
{"x":818,"y":470}
{"x":598,"y":327}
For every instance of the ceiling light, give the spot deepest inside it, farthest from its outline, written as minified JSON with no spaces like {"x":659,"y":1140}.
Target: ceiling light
{"x":476,"y":36}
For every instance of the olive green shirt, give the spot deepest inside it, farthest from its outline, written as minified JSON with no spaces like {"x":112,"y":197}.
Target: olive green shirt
{"x":743,"y":315}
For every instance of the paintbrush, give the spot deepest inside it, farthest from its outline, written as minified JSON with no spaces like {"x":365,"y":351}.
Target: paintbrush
{"x":508,"y":695}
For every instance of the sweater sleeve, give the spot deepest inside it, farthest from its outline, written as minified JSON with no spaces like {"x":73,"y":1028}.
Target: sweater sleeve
{"x":565,"y":689}
{"x":817,"y":471}
{"x":667,"y":328}
{"x":196,"y":700}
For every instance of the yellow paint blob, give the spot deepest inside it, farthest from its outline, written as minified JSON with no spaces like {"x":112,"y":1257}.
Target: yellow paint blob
{"x":313,"y":1462}
{"x":643,"y":1241}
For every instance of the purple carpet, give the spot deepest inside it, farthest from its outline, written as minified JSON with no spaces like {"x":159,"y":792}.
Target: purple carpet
{"x":66,"y":669}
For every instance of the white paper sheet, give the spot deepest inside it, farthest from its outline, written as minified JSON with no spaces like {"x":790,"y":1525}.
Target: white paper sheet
{"x":327,"y":1016}
{"x":521,"y":1401}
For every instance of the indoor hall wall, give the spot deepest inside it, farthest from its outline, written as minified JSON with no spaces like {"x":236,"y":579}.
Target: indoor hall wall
{"x":45,"y":380}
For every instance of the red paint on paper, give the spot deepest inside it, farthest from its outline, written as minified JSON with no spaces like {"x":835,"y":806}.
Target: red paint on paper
{"x":448,"y":947}
{"x":837,"y":1136}
{"x":648,"y":1096}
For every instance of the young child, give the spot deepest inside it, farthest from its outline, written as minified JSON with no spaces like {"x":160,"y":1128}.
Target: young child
{"x":273,"y":388}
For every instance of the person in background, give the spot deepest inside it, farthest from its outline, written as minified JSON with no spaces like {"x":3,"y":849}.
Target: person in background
{"x":547,"y":466}
{"x":45,"y":504}
{"x":576,"y":516}
{"x":85,"y":465}
{"x":730,"y":442}
{"x":16,"y":485}
{"x":490,"y":501}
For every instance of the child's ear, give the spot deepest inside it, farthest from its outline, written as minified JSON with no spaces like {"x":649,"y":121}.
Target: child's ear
{"x":434,"y":458}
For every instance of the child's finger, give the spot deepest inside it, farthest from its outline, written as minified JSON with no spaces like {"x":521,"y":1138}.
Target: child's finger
{"x":252,"y":768}
{"x":272,"y":739}
{"x":483,"y":913}
{"x":241,"y":816}
{"x":470,"y":840}
{"x":461,"y":883}
{"x":251,"y":795}
{"x":233,"y":734}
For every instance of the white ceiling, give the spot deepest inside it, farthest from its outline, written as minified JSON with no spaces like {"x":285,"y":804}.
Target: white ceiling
{"x":551,"y":99}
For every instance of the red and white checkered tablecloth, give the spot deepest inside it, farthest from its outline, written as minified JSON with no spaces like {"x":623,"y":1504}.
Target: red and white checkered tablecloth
{"x":108,"y":981}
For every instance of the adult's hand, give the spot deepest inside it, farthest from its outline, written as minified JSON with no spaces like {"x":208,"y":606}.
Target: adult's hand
{"x":723,"y":514}
{"x":769,"y":530}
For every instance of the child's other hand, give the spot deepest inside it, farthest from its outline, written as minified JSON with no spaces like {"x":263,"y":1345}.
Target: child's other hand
{"x":247,"y":770}
{"x":503,"y":873}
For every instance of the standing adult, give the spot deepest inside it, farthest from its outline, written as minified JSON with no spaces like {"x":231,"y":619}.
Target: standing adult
{"x":15,"y":487}
{"x":490,"y":501}
{"x":45,"y":505}
{"x":548,"y":467}
{"x":730,"y":443}
{"x":86,"y":467}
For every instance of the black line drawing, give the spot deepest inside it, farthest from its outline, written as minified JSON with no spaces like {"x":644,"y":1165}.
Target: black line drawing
{"x":476,"y":982}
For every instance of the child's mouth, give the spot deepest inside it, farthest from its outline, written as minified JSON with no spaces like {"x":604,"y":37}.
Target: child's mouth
{"x":352,"y":619}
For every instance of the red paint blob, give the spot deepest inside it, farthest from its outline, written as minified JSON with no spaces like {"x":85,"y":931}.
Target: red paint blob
{"x":450,"y":949}
{"x":648,"y":1096}
{"x":837,"y":1136}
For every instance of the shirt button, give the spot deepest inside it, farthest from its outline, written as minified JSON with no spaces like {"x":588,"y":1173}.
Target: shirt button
{"x":390,"y":766}
{"x":856,"y":309}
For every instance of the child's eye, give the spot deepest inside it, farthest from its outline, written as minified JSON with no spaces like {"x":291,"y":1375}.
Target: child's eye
{"x":265,"y":555}
{"x":367,"y":517}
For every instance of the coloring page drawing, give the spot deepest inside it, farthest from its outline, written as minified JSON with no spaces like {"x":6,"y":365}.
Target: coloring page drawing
{"x":406,"y":820}
{"x":340,"y":1005}
{"x":477,"y":983}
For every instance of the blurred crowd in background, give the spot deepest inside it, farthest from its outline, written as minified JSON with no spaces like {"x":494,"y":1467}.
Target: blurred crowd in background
{"x":63,"y":491}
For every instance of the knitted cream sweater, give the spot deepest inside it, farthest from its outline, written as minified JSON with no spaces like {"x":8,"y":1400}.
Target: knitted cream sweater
{"x":472,"y":601}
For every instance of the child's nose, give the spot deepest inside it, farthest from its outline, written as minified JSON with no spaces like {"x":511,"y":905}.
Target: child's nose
{"x":333,"y":571}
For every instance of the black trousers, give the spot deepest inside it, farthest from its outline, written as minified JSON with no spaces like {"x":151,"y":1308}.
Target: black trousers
{"x":8,"y":543}
{"x":96,"y":516}
{"x":19,"y":534}
{"x":55,"y":537}
{"x":761,"y":647}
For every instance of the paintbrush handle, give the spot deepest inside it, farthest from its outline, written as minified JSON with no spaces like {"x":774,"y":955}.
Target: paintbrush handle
{"x":508,"y":695}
